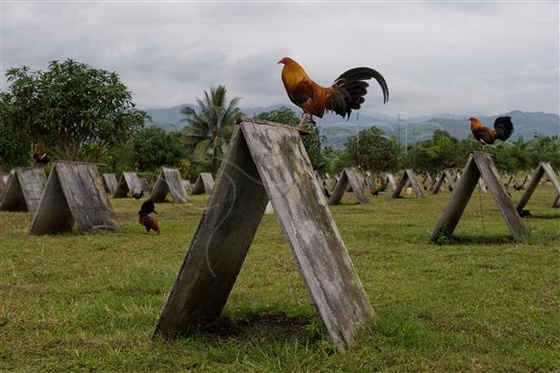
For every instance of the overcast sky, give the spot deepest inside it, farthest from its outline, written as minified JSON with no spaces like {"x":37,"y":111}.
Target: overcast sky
{"x":469,"y":57}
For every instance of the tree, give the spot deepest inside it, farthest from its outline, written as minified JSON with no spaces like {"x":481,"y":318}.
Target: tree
{"x":434,"y":155}
{"x":72,"y":110}
{"x":15,"y":149}
{"x":545,"y":149}
{"x":511,"y":157}
{"x":210,"y":130}
{"x":154,"y":147}
{"x":371,"y":151}
{"x":337,"y":160}
{"x":283,"y":115}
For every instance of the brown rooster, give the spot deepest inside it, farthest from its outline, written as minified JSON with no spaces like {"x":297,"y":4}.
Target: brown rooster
{"x":147,"y":220}
{"x":346,"y":93}
{"x":40,"y":157}
{"x":448,"y":164}
{"x":503,"y":128}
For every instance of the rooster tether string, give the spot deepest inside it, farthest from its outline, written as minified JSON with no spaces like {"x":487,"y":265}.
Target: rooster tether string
{"x":480,"y":208}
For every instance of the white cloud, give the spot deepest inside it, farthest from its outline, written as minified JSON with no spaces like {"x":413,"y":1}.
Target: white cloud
{"x":461,"y":57}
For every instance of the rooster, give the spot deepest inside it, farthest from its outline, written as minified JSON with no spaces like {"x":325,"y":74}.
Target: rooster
{"x":148,"y":206}
{"x":150,"y":222}
{"x":346,"y":93}
{"x":448,"y":164}
{"x":517,"y":185}
{"x":147,"y":220}
{"x":40,"y":157}
{"x":503,"y":128}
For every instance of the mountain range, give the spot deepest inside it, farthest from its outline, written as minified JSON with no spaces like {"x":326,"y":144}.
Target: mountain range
{"x":527,"y":125}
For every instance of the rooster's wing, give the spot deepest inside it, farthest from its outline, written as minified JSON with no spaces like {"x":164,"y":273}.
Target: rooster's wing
{"x":309,"y":96}
{"x":485,"y":135}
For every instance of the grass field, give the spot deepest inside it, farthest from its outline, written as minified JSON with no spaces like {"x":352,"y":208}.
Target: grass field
{"x":478,"y":303}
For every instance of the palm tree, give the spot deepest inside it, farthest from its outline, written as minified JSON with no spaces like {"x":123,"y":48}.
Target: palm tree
{"x":209,"y":130}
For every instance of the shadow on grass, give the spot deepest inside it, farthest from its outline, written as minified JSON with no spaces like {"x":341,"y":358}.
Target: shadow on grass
{"x":543,"y":216}
{"x":474,"y":240}
{"x":273,"y":326}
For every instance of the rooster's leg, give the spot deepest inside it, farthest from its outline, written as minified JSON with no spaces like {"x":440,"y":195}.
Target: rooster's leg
{"x":310,"y":125}
{"x":304,"y":119}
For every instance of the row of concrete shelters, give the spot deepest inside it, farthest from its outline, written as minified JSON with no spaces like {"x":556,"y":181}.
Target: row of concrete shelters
{"x":74,"y":195}
{"x":168,"y":181}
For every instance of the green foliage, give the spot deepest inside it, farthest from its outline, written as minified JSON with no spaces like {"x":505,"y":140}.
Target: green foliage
{"x":283,"y":115}
{"x":464,"y":148}
{"x":15,"y":149}
{"x":432,"y":156}
{"x":185,"y":168}
{"x":199,"y":163}
{"x":371,"y":151}
{"x":545,"y":149}
{"x":154,"y":147}
{"x":209,"y":131}
{"x":119,"y":159}
{"x":520,"y":155}
{"x":337,"y":160}
{"x":510,"y":157}
{"x":71,"y":110}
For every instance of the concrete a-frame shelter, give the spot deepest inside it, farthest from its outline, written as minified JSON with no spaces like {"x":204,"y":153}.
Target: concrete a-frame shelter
{"x":169,"y":181}
{"x":348,"y":177}
{"x":544,"y":168}
{"x":109,"y":182}
{"x":74,"y":194}
{"x":24,"y":189}
{"x":479,"y":164}
{"x":128,"y":185}
{"x":408,"y":175}
{"x":204,"y":184}
{"x":266,"y":161}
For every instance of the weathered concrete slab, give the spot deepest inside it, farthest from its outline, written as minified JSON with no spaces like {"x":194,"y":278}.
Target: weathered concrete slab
{"x":545,"y":168}
{"x":348,"y":178}
{"x":479,"y":164}
{"x":128,"y":185}
{"x":204,"y":184}
{"x":74,"y":194}
{"x":110,"y":182}
{"x":2,"y":185}
{"x":265,"y":162}
{"x":388,"y":181}
{"x":24,"y":189}
{"x":169,"y":181}
{"x":443,"y":177}
{"x":408,"y":176}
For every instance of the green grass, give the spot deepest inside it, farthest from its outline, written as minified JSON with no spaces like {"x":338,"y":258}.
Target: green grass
{"x":479,"y":303}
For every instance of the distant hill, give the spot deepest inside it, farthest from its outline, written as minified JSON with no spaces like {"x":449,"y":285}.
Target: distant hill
{"x":169,"y":118}
{"x":336,"y":130}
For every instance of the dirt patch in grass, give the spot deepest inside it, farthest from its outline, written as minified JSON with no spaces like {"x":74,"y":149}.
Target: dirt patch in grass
{"x":276,"y":325}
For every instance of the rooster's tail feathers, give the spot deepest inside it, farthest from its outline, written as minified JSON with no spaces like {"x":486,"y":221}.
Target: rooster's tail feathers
{"x":503,"y":127}
{"x":353,"y":81}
